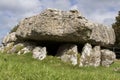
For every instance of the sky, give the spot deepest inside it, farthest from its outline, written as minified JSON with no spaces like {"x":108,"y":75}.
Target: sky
{"x":12,"y":11}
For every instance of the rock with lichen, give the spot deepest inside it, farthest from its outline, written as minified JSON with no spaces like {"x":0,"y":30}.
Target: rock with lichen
{"x":90,"y":56}
{"x":68,"y":53}
{"x":64,"y":26}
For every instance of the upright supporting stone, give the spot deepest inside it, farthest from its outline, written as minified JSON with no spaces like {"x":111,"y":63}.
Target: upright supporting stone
{"x":68,"y":53}
{"x":39,"y":53}
{"x":90,"y":57}
{"x":108,"y":57}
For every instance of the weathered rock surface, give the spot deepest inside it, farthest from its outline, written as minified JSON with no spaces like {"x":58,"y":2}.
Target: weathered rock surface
{"x":68,"y":53}
{"x":19,"y":48}
{"x":39,"y":53}
{"x":7,"y":48}
{"x":90,"y":57}
{"x":26,"y":49}
{"x":107,"y":57}
{"x":1,"y":49}
{"x":16,"y":48}
{"x":64,"y":26}
{"x":9,"y":38}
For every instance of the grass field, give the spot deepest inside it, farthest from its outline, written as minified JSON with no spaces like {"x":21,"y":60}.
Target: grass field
{"x":24,"y":67}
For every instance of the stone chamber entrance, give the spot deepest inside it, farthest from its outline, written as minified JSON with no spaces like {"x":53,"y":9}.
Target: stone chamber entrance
{"x":52,"y":47}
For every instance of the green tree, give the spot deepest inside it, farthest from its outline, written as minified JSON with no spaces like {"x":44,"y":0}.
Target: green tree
{"x":116,"y":27}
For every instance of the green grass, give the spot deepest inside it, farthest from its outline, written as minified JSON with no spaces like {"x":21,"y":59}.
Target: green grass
{"x":24,"y":67}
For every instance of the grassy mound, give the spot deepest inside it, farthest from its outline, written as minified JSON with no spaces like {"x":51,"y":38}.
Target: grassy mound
{"x":24,"y":67}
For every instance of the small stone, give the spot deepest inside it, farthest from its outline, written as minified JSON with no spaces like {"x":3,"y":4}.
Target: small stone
{"x":7,"y":48}
{"x":39,"y":53}
{"x":24,"y":51}
{"x":16,"y":48}
{"x":9,"y":38}
{"x":108,"y":57}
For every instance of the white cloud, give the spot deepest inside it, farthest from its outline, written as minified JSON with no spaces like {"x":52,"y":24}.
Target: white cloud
{"x":19,"y":5}
{"x":99,"y":10}
{"x":74,"y":7}
{"x":106,"y":18}
{"x":58,"y":4}
{"x":12,"y":11}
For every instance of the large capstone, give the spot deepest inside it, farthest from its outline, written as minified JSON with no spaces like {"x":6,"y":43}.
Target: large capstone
{"x":64,"y":26}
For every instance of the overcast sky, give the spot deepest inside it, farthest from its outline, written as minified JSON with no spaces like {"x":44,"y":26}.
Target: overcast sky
{"x":12,"y":11}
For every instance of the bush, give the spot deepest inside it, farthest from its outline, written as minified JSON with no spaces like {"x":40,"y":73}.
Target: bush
{"x":116,"y":27}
